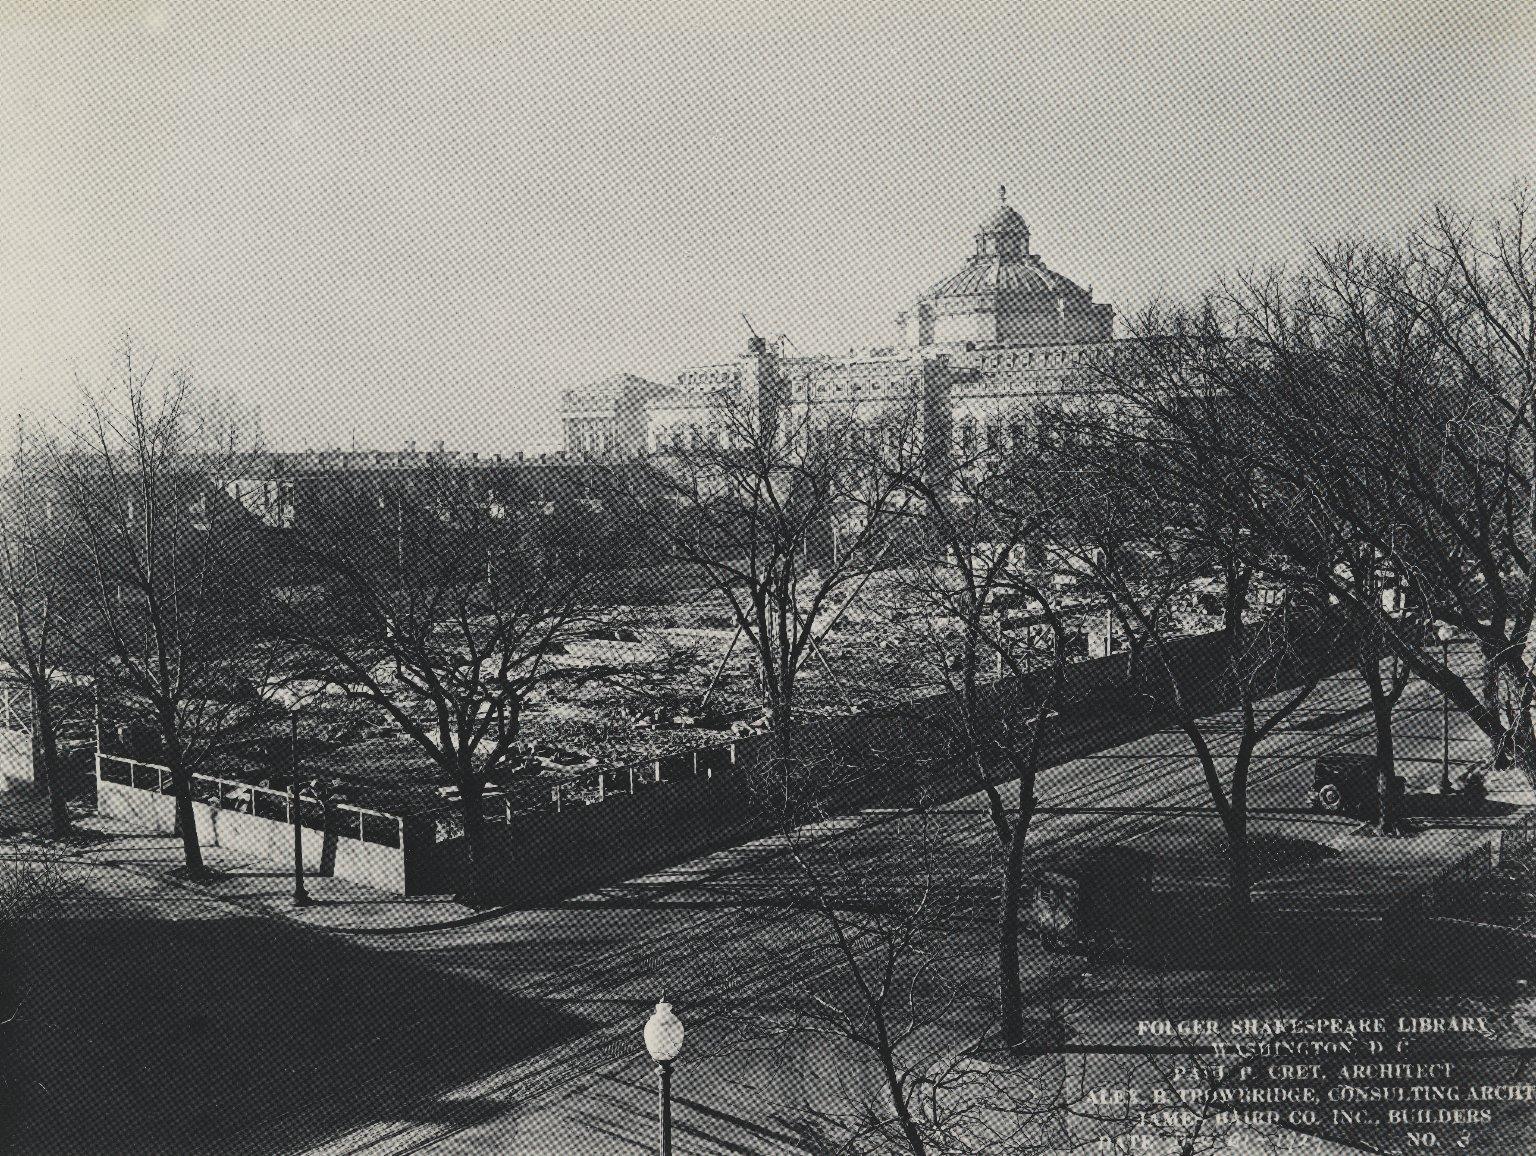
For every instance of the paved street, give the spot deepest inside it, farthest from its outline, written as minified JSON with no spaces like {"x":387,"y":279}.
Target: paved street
{"x":549,"y":1060}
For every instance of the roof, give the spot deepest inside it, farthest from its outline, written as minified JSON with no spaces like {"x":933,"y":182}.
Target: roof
{"x":1024,"y":276}
{"x":613,"y":388}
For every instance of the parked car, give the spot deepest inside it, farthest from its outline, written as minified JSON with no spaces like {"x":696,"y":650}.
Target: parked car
{"x":1347,"y":785}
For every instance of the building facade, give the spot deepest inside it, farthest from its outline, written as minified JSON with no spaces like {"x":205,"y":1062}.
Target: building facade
{"x":973,"y":354}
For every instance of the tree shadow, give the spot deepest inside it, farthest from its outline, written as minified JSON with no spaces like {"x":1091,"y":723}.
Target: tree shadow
{"x":196,"y":1035}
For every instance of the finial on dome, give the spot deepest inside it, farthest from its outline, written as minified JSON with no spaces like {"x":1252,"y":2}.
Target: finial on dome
{"x":1002,"y":194}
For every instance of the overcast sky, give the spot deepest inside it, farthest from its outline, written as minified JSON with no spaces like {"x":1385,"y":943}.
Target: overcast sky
{"x":425,"y":220}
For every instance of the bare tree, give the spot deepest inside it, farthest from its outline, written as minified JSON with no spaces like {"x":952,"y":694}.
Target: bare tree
{"x":1383,"y":397}
{"x":890,"y":989}
{"x":1140,"y":539}
{"x":885,"y":982}
{"x":32,"y":589}
{"x":980,"y":607}
{"x":165,"y":575}
{"x":441,"y":609}
{"x":780,"y":518}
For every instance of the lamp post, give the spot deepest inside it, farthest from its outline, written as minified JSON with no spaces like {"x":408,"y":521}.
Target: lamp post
{"x":1444,"y":633}
{"x":664,"y":1040}
{"x":291,"y":699}
{"x":300,"y":896}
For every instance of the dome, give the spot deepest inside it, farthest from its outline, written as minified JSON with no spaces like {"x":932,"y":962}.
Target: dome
{"x":988,"y":276}
{"x":1004,"y":220}
{"x":1005,"y":294}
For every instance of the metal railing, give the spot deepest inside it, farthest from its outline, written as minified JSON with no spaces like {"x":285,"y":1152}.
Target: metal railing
{"x":344,"y":819}
{"x":547,"y":794}
{"x":15,"y":708}
{"x":601,"y":782}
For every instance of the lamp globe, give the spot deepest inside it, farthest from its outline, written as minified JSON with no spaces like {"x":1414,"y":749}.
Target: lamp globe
{"x":663,"y":1034}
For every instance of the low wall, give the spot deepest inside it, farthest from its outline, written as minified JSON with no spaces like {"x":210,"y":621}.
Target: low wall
{"x":16,"y":770}
{"x":325,"y":853}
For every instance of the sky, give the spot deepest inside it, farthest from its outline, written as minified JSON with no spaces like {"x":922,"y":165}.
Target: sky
{"x":382,"y":221}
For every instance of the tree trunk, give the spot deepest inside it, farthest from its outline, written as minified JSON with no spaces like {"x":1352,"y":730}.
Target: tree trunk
{"x":1239,"y":871}
{"x":1369,"y":661}
{"x":186,"y":824}
{"x":896,"y":1089}
{"x":1133,"y":647}
{"x":471,"y":796}
{"x":53,"y":774}
{"x":181,"y":785}
{"x":1381,"y":710}
{"x":1010,"y":979}
{"x":1502,"y":753}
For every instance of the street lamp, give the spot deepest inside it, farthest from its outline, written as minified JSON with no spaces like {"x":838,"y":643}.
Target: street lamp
{"x":291,"y":701}
{"x":664,"y":1040}
{"x":1444,"y":633}
{"x":300,"y":896}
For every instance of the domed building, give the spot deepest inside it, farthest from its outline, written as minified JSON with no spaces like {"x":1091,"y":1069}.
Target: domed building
{"x":980,"y":349}
{"x":1005,"y":295}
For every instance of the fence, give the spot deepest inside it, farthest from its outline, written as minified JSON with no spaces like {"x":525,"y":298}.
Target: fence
{"x":878,"y":750}
{"x":584,"y":788}
{"x":15,"y":707}
{"x":361,"y":823}
{"x":662,"y":809}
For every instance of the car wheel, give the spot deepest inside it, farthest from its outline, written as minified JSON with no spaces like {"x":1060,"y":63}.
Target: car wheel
{"x":1330,"y":798}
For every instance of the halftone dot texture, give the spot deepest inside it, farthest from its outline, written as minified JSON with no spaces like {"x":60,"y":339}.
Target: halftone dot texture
{"x":377,"y":231}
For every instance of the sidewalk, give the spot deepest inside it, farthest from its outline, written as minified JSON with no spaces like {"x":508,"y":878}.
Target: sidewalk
{"x":335,"y":904}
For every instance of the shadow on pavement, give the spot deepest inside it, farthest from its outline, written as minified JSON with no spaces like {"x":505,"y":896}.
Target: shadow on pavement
{"x":239,"y":1034}
{"x":1433,"y":805}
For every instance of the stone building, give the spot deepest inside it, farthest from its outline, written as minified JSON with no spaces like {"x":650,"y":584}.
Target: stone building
{"x":973,"y":355}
